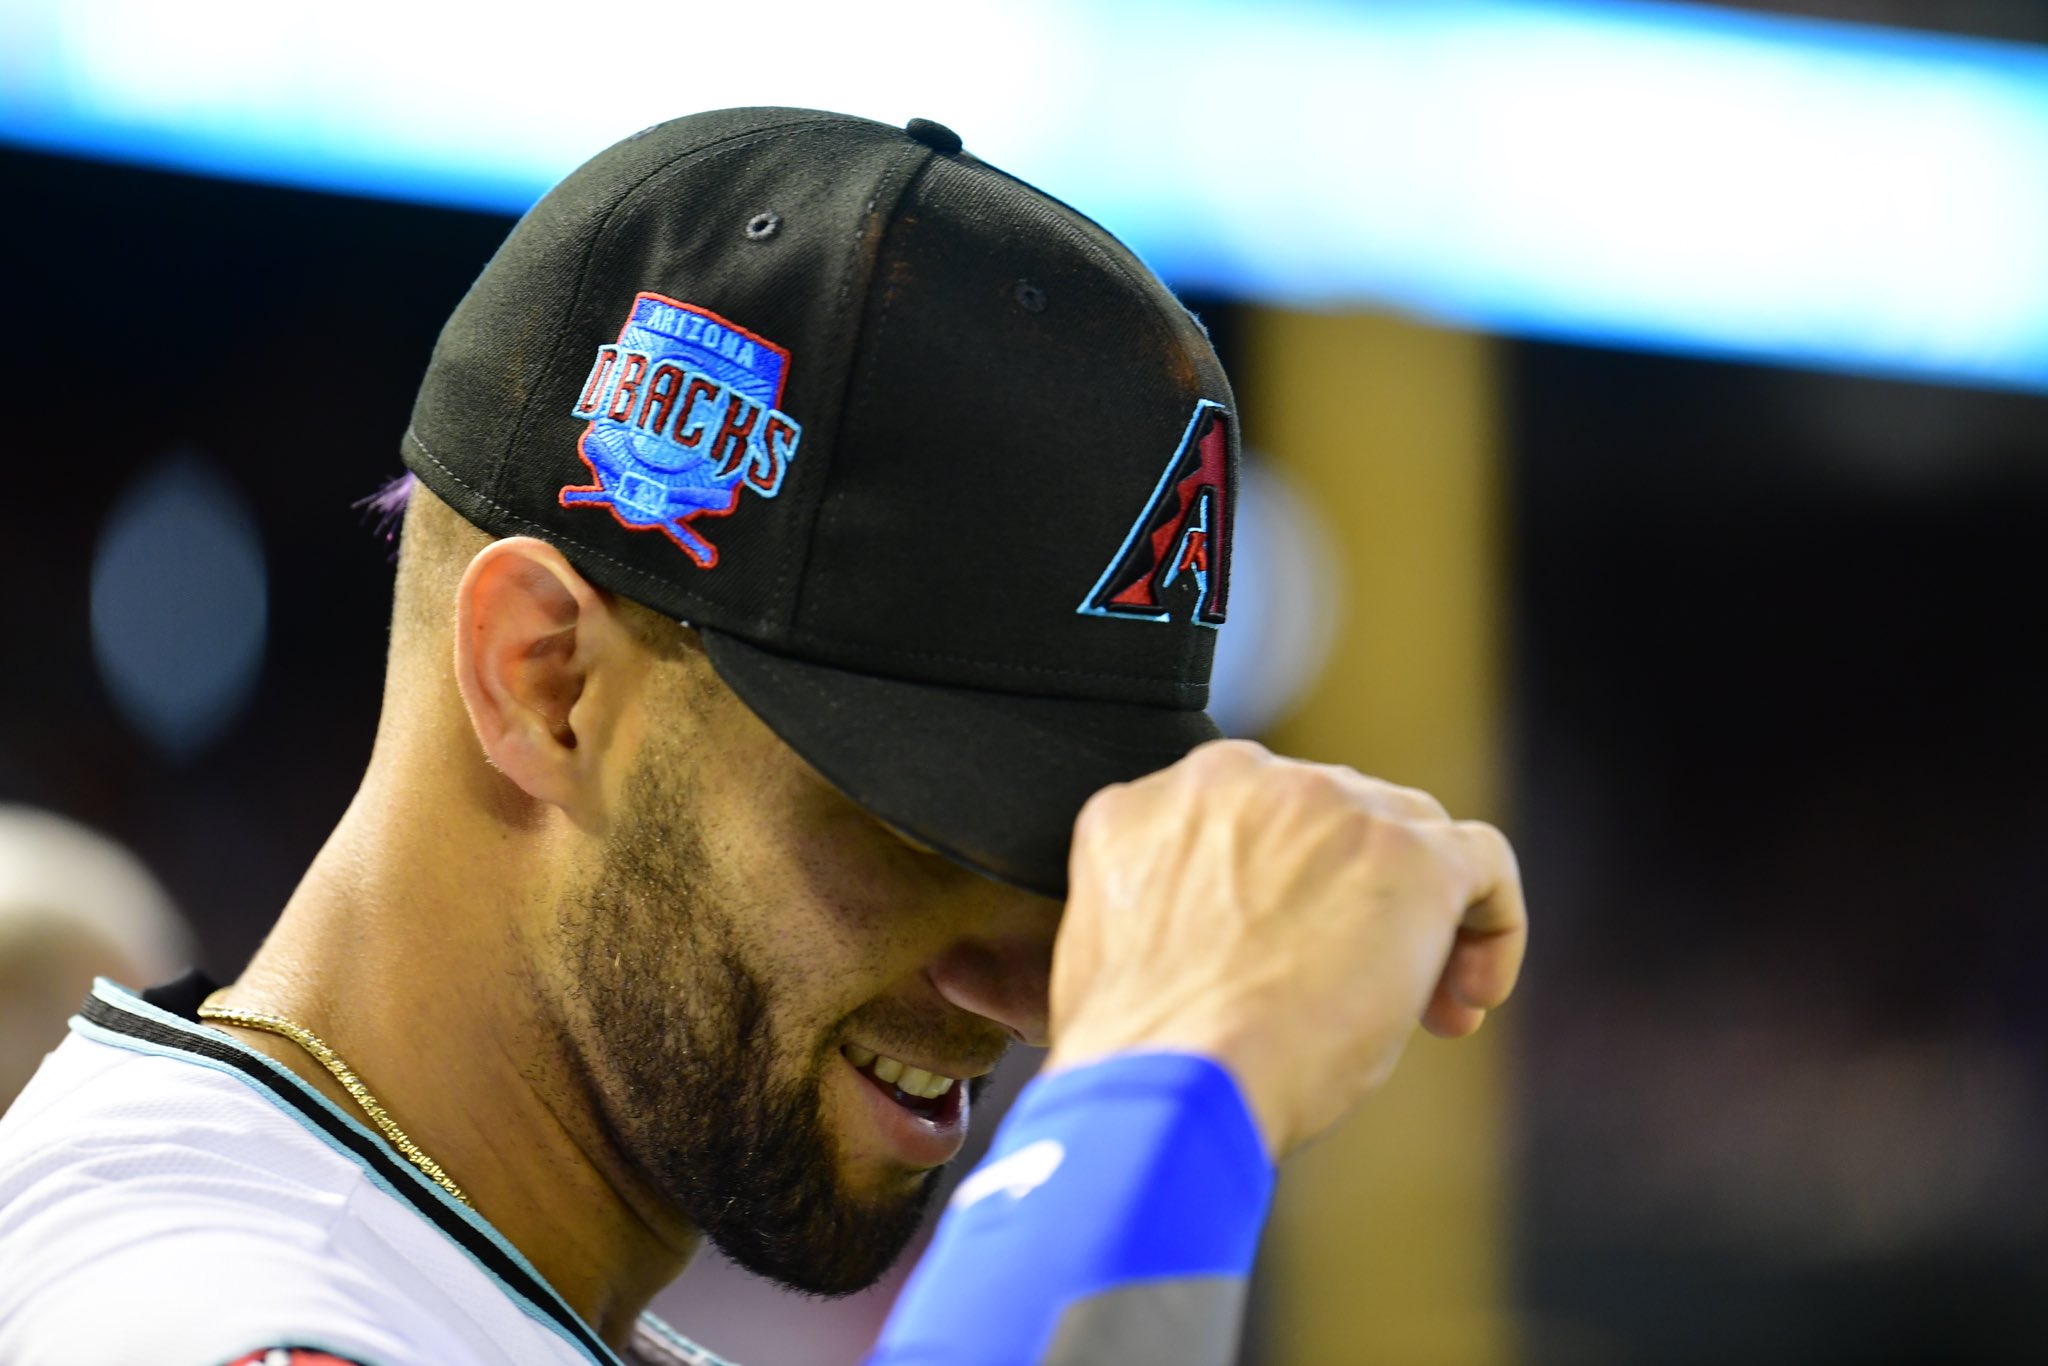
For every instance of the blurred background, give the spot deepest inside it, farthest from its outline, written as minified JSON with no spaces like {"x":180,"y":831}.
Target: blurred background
{"x":1648,"y":422}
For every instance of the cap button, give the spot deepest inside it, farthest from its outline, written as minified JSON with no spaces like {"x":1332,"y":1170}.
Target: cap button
{"x":936,"y":136}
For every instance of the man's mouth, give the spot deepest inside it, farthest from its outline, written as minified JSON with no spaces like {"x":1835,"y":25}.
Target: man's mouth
{"x":921,"y":1092}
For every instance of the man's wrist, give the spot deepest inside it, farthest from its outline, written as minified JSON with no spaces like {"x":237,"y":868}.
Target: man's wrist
{"x":1257,"y":1080}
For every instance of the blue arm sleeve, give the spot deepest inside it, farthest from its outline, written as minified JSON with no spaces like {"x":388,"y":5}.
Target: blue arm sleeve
{"x":1138,"y":1171}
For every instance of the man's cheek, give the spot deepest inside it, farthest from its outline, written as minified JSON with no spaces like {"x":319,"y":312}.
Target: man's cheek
{"x":854,"y":1141}
{"x":818,"y":983}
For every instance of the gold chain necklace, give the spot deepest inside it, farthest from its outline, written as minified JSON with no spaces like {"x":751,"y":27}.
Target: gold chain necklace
{"x":350,"y":1082}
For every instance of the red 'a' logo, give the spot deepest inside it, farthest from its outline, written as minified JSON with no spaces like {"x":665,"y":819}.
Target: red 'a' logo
{"x":1176,"y":559}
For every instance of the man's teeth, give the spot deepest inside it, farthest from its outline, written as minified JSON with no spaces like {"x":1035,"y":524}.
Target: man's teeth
{"x":915,"y":1081}
{"x":911,"y":1081}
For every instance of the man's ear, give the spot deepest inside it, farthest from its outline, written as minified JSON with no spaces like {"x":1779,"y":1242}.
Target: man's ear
{"x":530,"y":634}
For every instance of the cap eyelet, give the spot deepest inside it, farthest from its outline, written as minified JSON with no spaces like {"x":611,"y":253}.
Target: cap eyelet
{"x":1030,"y":297}
{"x":763,"y":226}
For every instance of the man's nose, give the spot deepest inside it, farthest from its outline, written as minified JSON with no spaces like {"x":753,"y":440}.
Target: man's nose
{"x":1003,"y":974}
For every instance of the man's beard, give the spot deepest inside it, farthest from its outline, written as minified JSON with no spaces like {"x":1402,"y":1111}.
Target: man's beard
{"x":690,"y":1082}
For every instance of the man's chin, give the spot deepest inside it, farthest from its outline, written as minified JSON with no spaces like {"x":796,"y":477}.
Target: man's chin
{"x":848,"y":1249}
{"x":886,"y":1201}
{"x":878,"y":1187}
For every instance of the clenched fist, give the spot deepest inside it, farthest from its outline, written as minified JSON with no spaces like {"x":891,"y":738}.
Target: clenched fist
{"x":1291,"y":920}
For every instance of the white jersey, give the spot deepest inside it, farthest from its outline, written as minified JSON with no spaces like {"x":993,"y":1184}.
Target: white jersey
{"x":169,"y":1197}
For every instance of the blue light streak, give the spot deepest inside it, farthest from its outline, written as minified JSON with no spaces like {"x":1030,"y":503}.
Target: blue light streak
{"x":1644,"y":175}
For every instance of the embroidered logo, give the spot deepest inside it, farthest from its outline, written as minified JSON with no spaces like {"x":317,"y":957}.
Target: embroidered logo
{"x":683,"y":416}
{"x":1177,"y":555}
{"x":291,"y":1356}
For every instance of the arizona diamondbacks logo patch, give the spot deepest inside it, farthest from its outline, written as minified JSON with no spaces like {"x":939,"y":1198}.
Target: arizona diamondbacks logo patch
{"x":1176,"y":559}
{"x":683,"y":418}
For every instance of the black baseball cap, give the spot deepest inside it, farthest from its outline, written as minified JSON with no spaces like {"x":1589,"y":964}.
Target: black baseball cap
{"x":941,"y":472}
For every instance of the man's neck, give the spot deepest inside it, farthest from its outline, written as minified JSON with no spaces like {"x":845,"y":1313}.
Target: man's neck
{"x":401,"y":977}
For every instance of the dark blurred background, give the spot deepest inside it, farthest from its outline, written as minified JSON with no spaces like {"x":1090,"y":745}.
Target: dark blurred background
{"x":1769,"y":727}
{"x":1778,"y":784}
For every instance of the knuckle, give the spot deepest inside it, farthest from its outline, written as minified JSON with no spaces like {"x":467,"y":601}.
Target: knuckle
{"x":1100,"y":810}
{"x":1299,"y":791}
{"x":1214,"y":758}
{"x":1331,"y":777}
{"x":1490,"y":840}
{"x":1390,"y":838}
{"x":1303,"y":782}
{"x":1422,"y":803}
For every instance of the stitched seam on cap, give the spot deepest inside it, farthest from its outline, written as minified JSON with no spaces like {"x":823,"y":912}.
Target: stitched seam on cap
{"x":1050,"y":733}
{"x":943,"y":658}
{"x":797,"y":556}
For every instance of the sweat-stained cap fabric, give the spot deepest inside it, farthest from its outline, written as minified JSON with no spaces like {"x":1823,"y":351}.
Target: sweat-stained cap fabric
{"x":941,"y":472}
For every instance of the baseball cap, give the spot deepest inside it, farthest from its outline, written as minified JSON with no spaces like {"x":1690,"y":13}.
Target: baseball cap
{"x":940,"y":471}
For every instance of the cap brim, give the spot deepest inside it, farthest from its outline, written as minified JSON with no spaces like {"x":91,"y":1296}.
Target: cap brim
{"x":992,"y":780}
